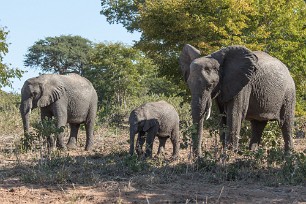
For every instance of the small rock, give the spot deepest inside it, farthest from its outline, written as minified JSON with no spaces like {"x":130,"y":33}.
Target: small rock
{"x":11,"y":190}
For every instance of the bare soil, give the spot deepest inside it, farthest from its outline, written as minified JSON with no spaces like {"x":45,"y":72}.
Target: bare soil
{"x":120,"y":186}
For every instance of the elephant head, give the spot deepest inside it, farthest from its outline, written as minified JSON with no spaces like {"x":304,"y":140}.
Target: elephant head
{"x":140,"y":121}
{"x":38,"y":92}
{"x":223,"y":73}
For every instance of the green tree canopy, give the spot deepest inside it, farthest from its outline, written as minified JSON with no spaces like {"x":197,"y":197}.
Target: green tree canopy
{"x":63,"y":54}
{"x":274,"y":26}
{"x":6,"y":73}
{"x":119,"y":71}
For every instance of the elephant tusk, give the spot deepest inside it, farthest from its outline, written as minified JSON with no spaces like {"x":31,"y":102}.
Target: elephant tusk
{"x":208,"y":113}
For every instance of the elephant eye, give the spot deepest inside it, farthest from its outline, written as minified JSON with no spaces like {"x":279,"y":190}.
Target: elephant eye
{"x":207,"y":70}
{"x":34,"y":93}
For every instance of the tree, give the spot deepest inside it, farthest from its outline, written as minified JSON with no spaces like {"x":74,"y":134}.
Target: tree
{"x":6,"y":73}
{"x":120,"y":71}
{"x":274,"y":26}
{"x":63,"y":54}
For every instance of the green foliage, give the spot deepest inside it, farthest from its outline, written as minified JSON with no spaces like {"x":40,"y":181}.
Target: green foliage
{"x":277,"y":27}
{"x":9,"y":102}
{"x":272,"y":136}
{"x":63,"y":54}
{"x":54,"y":170}
{"x":123,"y":11}
{"x":135,"y":164}
{"x":44,"y":131}
{"x":119,"y":72}
{"x":187,"y":131}
{"x":11,"y":123}
{"x":6,"y":73}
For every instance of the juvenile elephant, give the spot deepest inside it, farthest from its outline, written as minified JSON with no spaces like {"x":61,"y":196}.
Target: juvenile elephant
{"x":69,"y":98}
{"x":246,"y":85}
{"x":156,"y":119}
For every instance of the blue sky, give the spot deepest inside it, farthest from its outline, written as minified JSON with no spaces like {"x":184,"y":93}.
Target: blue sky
{"x":32,"y":20}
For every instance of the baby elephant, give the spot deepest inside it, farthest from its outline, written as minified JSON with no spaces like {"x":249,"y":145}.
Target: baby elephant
{"x":156,"y":119}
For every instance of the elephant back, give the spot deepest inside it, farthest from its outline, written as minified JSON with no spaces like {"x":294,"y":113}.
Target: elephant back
{"x":164,"y":113}
{"x":272,"y":87}
{"x":272,"y":68}
{"x":79,"y":90}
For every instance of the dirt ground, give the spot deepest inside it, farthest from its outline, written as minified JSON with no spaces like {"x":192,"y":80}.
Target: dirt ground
{"x":182,"y":191}
{"x":189,"y":188}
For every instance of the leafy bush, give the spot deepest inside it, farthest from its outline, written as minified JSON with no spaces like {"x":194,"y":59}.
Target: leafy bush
{"x":45,"y":132}
{"x":9,"y":101}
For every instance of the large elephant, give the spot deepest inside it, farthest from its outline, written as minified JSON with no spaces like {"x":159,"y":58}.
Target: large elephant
{"x":69,"y":98}
{"x":156,"y":119}
{"x":246,"y":85}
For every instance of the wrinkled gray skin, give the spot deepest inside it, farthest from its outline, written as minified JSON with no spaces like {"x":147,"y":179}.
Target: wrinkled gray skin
{"x":246,"y":85}
{"x":69,"y":98}
{"x":156,"y":119}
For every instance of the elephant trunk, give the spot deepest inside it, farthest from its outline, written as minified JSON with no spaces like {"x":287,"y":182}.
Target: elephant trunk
{"x":133,"y":130}
{"x":25,"y":110}
{"x":200,"y":106}
{"x":132,"y":139}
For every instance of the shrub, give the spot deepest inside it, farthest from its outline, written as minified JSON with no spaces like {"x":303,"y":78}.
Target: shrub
{"x":45,"y":132}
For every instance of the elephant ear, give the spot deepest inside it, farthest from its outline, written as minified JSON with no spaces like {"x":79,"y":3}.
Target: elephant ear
{"x":148,"y":124}
{"x":238,"y":65}
{"x":188,"y":54}
{"x":52,"y":90}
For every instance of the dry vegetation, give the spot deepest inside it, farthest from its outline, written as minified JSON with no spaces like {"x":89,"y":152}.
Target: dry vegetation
{"x":109,"y":175}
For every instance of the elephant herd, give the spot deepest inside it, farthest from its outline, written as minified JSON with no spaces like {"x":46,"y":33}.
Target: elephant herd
{"x":245,"y":85}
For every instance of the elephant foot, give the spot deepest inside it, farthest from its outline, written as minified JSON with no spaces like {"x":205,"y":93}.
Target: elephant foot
{"x":159,"y":156}
{"x":139,"y":152}
{"x":175,"y":157}
{"x":61,"y":147}
{"x":71,"y":146}
{"x":253,"y":147}
{"x":288,"y":152}
{"x":51,"y":143}
{"x":88,"y":147}
{"x":148,"y":155}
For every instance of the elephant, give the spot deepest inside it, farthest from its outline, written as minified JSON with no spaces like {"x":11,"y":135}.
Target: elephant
{"x":245,"y":85}
{"x":156,"y":119}
{"x":68,"y":98}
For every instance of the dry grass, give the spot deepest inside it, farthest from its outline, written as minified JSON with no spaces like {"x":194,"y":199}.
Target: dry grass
{"x":109,"y":175}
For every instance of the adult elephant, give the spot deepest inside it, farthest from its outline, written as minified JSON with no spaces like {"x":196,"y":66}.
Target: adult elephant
{"x":156,"y":119}
{"x":69,"y":98}
{"x":246,"y":85}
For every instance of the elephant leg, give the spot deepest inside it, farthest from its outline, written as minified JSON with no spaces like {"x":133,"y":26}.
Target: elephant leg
{"x":233,"y":133}
{"x":287,"y":135}
{"x":286,"y":125}
{"x":175,"y":141}
{"x":72,"y":142}
{"x":222,"y":123}
{"x":46,"y":115}
{"x":222,"y":131}
{"x":236,"y":110}
{"x":89,"y":127}
{"x":162,"y":144}
{"x":61,"y":122}
{"x":139,"y":143}
{"x":257,"y":129}
{"x":150,"y":139}
{"x":234,"y":119}
{"x":197,"y":139}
